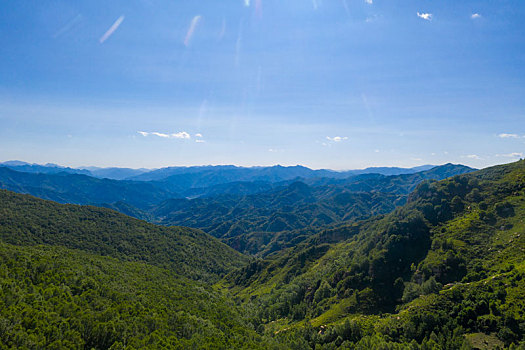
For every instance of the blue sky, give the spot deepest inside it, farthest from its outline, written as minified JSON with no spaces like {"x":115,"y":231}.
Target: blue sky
{"x":335,"y":84}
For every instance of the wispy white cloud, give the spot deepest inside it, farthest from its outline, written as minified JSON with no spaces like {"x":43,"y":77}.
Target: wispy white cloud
{"x":475,"y":15}
{"x":508,"y":136}
{"x":337,"y":138}
{"x":193,"y":25}
{"x":178,"y":135}
{"x":69,"y":26}
{"x":111,"y":29}
{"x":425,"y":16}
{"x":159,"y":134}
{"x":200,"y":141}
{"x":472,"y":156}
{"x":181,"y":135}
{"x":369,"y":1}
{"x":511,"y":155}
{"x":247,"y":3}
{"x":198,"y":135}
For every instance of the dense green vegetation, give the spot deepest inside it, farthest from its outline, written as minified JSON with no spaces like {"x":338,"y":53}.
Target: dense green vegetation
{"x":448,"y":263}
{"x":249,"y":223}
{"x":25,"y":220}
{"x":57,"y":298}
{"x":444,"y":271}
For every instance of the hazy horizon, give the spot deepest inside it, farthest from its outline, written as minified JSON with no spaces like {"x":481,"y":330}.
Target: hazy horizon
{"x":84,"y":166}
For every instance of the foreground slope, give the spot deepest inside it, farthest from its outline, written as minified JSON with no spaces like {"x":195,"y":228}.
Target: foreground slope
{"x":77,"y":277}
{"x":58,"y":298}
{"x":449,"y":265}
{"x":26,"y":220}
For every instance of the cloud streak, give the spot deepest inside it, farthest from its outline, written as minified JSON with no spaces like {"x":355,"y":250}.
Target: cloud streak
{"x":508,"y":136}
{"x":69,"y":26}
{"x":511,"y":155}
{"x":475,"y":15}
{"x":191,"y":30}
{"x":337,"y":138}
{"x":178,"y":135}
{"x":425,"y":16}
{"x":111,"y":29}
{"x":472,"y":156}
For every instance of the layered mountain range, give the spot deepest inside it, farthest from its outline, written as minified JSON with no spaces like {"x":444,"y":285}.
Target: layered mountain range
{"x":429,"y":259}
{"x":255,"y":217}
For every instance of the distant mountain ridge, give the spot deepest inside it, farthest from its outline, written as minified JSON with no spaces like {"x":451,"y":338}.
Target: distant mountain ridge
{"x":83,"y":189}
{"x":224,"y":173}
{"x":259,"y":223}
{"x":115,"y":173}
{"x":43,"y":169}
{"x":276,"y":173}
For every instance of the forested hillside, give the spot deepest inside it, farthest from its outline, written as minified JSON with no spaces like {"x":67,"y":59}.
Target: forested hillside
{"x":75,"y":277}
{"x":57,"y":298}
{"x":26,"y":220}
{"x":449,"y":263}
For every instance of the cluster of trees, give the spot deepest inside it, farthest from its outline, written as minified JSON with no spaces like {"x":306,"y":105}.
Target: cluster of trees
{"x":56,"y":298}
